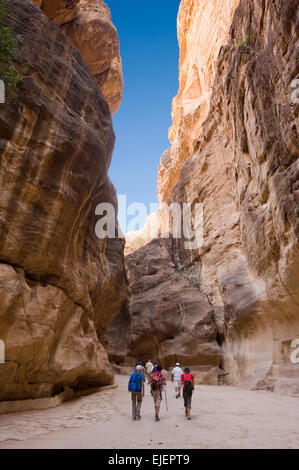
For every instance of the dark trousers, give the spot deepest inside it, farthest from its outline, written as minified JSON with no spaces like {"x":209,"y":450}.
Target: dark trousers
{"x":136,"y":404}
{"x":187,"y":399}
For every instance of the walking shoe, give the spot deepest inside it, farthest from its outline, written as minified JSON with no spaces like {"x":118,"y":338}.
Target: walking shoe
{"x":157,"y":418}
{"x":138,"y":417}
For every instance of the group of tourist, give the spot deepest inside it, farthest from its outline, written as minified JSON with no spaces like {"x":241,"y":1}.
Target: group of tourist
{"x":157,"y":382}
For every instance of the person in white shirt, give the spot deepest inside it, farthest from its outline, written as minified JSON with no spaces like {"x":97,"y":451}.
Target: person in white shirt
{"x":176,"y":378}
{"x":149,"y":367}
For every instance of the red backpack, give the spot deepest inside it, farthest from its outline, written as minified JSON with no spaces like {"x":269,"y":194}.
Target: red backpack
{"x":156,"y":382}
{"x":188,"y":383}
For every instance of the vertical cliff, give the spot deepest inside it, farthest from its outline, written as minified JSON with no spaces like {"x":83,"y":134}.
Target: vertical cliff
{"x":235,"y":149}
{"x":203,"y":28}
{"x":60,"y":286}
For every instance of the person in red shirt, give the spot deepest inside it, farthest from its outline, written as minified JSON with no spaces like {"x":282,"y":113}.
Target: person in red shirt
{"x":188,"y":388}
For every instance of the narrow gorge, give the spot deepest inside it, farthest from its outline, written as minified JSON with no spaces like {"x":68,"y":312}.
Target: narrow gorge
{"x":231,"y":308}
{"x":74,"y":308}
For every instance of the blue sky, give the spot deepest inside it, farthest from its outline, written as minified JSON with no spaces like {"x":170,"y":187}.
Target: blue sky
{"x":150,"y":55}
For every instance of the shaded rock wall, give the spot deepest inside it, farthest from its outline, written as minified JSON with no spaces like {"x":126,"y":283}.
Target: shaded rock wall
{"x":242,"y":164}
{"x":170,"y":318}
{"x":251,"y":144}
{"x":59,"y":285}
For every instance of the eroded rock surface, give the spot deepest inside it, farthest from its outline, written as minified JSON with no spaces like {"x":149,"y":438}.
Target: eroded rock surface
{"x":170,"y":318}
{"x":88,"y":26}
{"x":59,"y":285}
{"x":203,"y":28}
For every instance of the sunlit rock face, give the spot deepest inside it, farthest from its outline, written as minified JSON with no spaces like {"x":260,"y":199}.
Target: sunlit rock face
{"x":244,"y":169}
{"x":59,"y":11}
{"x":203,"y":27}
{"x":137,"y":239}
{"x":88,"y":26}
{"x":60,"y":286}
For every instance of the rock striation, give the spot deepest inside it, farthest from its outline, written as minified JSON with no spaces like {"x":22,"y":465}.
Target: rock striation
{"x":60,"y":286}
{"x":235,"y":149}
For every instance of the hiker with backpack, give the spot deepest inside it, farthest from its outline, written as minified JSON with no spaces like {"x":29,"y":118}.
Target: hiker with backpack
{"x":176,"y":375}
{"x":187,"y":380}
{"x":136,"y":387}
{"x":157,"y":382}
{"x":139,"y":363}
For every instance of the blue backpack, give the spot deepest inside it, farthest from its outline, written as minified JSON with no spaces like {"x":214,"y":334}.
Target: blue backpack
{"x":134,"y":384}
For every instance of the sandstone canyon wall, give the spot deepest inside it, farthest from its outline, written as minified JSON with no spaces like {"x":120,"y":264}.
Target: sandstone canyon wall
{"x":235,"y":149}
{"x":60,"y":286}
{"x":203,"y":27}
{"x":87,"y":25}
{"x":170,"y":318}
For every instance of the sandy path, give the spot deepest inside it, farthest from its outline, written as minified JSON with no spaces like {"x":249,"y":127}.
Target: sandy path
{"x":223,"y":417}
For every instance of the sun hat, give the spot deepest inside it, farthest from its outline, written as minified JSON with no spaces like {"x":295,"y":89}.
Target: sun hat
{"x":177,"y":364}
{"x":139,"y":367}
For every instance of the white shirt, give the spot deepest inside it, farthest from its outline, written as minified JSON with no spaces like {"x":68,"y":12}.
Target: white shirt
{"x":177,"y":373}
{"x":149,"y":367}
